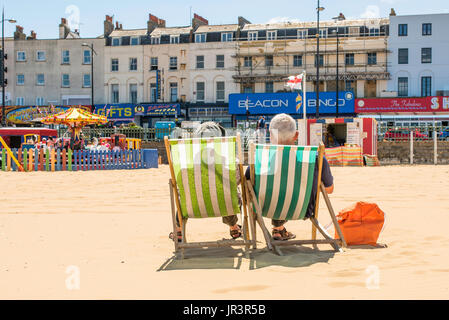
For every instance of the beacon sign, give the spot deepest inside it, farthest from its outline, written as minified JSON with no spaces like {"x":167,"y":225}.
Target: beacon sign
{"x":274,"y":103}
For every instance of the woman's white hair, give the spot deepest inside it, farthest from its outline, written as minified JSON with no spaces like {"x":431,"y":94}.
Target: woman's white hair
{"x":282,"y":128}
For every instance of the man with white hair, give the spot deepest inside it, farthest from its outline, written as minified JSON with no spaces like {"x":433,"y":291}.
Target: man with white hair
{"x":283,"y":132}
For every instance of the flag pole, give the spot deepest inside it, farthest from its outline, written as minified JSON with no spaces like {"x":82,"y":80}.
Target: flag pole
{"x":304,"y":103}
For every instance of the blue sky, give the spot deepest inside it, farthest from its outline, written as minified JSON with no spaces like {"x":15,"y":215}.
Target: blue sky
{"x":44,"y":16}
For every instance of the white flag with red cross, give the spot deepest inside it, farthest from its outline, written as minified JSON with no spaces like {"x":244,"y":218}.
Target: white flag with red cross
{"x":295,"y":82}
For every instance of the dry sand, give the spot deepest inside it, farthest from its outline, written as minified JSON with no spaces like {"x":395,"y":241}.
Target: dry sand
{"x":112,"y":227}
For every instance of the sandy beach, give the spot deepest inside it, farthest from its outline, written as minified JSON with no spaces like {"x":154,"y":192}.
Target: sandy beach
{"x":109,"y":231}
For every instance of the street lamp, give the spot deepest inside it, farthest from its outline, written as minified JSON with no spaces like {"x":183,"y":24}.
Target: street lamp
{"x":341,"y":17}
{"x":3,"y":66}
{"x":92,"y":51}
{"x":318,"y":10}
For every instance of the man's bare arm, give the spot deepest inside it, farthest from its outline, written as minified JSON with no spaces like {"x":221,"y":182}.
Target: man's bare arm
{"x":330,"y":190}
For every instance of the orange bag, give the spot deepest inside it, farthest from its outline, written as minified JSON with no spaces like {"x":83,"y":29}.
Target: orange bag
{"x":361,"y":223}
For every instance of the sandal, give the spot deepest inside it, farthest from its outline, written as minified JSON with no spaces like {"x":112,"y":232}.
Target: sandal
{"x":237,"y":233}
{"x":179,"y":236}
{"x":283,"y":234}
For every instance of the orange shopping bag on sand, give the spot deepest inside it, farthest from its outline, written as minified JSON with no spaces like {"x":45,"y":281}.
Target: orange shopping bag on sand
{"x":361,"y":223}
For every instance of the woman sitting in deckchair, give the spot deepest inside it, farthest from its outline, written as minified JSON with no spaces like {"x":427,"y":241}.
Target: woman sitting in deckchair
{"x":212,"y":129}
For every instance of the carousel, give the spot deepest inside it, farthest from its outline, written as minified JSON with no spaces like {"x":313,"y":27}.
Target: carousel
{"x":75,"y":119}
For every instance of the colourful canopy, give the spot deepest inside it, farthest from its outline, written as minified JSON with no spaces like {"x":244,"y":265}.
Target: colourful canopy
{"x":75,"y":117}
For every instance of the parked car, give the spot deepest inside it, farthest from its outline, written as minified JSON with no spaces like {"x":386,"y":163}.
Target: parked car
{"x":404,"y":135}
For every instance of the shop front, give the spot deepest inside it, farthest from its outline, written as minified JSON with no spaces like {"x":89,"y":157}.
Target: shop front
{"x":144,"y":115}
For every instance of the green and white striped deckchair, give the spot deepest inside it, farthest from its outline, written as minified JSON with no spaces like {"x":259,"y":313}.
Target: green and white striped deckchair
{"x":281,"y":184}
{"x":204,"y":184}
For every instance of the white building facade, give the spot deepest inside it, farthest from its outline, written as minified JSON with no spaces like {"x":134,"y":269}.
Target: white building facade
{"x":419,"y":47}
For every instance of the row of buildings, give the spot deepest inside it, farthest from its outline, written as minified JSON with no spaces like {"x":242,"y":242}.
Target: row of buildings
{"x":200,"y":65}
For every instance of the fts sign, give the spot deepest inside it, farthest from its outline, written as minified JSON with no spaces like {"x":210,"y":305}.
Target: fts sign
{"x":275,"y":103}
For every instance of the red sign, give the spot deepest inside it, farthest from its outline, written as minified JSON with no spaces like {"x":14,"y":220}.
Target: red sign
{"x":402,"y":105}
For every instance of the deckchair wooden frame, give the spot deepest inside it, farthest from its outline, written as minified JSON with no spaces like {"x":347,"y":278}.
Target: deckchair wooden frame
{"x":247,"y":241}
{"x":275,"y":244}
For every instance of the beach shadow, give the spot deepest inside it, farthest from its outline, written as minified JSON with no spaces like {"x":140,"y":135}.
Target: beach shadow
{"x":205,"y":258}
{"x":293,"y":257}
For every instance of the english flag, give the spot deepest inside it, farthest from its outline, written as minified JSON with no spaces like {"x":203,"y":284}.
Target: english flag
{"x":295,"y":82}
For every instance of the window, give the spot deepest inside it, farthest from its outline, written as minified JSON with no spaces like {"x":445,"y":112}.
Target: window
{"x":200,"y":62}
{"x":374,"y":32}
{"x":115,"y":93}
{"x":426,"y":86}
{"x":114,"y":65}
{"x":132,"y":64}
{"x":154,"y":63}
{"x":20,"y":79}
{"x":20,"y":101}
{"x":402,"y":86}
{"x":21,"y":56}
{"x":220,"y":61}
{"x":40,"y":79}
{"x":174,"y":39}
{"x":350,"y":85}
{"x":155,"y":40}
{"x":297,"y":60}
{"x":200,"y":92}
{"x":349,"y":59}
{"x":302,"y":34}
{"x":426,"y":29}
{"x":403,"y":56}
{"x":40,"y":56}
{"x":372,"y":58}
{"x":269,"y":61}
{"x":248,"y":62}
{"x":115,"y":42}
{"x":226,"y":36}
{"x":426,"y":55}
{"x":248,"y":89}
{"x":402,"y":30}
{"x":66,"y":57}
{"x":87,"y":58}
{"x":321,"y":60}
{"x":173,"y":91}
{"x":133,"y":93}
{"x":153,"y":92}
{"x":271,"y":35}
{"x":269,"y":87}
{"x":200,"y":37}
{"x":323,"y":33}
{"x":173,"y":63}
{"x":252,"y":36}
{"x":40,"y":101}
{"x":86,"y":80}
{"x":65,"y":81}
{"x":134,"y":41}
{"x":220,"y":91}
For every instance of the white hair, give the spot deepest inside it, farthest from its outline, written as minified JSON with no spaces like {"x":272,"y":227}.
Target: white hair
{"x":282,"y":129}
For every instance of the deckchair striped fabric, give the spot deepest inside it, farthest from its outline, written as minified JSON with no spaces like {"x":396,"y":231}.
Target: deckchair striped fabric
{"x":205,"y":171}
{"x":284,"y":179}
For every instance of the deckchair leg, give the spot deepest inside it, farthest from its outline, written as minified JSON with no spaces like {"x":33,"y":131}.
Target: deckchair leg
{"x":259,"y":218}
{"x":325,"y":234}
{"x":332,"y":214}
{"x":173,"y":213}
{"x":252,"y":222}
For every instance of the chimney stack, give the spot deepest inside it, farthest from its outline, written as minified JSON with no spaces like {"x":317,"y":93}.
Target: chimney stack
{"x":64,"y":29}
{"x":154,"y":22}
{"x":18,"y":34}
{"x":32,"y":36}
{"x":108,"y":26}
{"x":198,"y":21}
